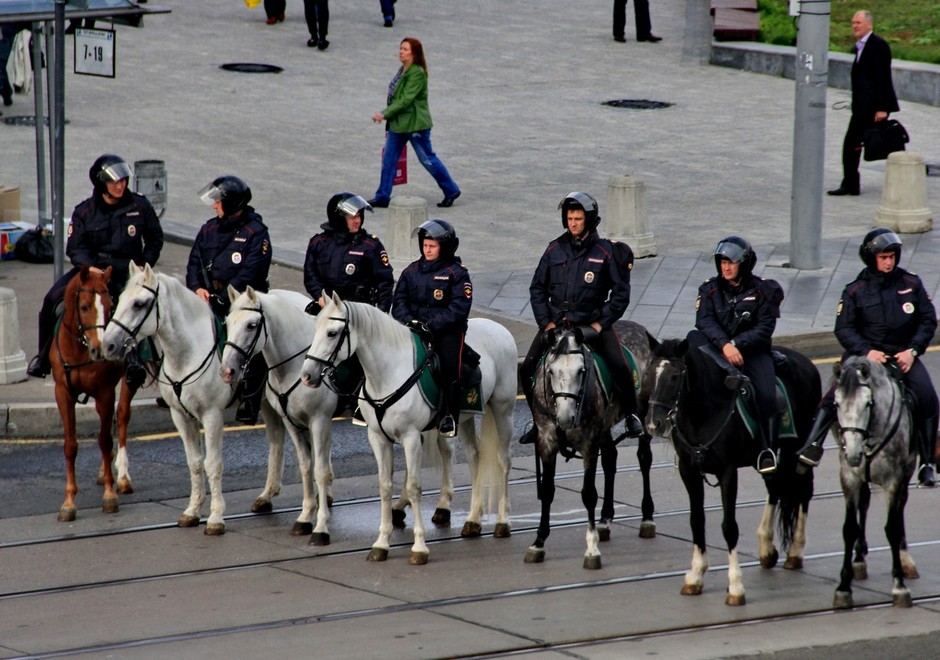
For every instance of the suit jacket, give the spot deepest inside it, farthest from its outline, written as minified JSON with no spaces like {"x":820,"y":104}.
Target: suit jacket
{"x":872,"y":88}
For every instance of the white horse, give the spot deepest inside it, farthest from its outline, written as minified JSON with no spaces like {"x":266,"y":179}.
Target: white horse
{"x":396,"y":411}
{"x":276,"y":325}
{"x":183,"y":328}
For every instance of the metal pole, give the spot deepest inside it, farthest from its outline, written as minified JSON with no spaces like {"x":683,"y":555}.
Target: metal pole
{"x":696,"y":48}
{"x":39,"y":104}
{"x":809,"y":134}
{"x":57,"y":122}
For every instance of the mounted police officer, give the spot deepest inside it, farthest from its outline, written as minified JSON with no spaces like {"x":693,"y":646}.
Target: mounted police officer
{"x":583,"y":280}
{"x":434,"y":296}
{"x":886,"y":315}
{"x":232,"y":248}
{"x":735,"y":316}
{"x":111,"y":228}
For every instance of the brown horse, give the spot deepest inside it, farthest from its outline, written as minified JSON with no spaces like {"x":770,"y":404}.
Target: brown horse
{"x":79,"y":373}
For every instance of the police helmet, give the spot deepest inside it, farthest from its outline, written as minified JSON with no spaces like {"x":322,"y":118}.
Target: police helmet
{"x":583,"y":202}
{"x":440,"y":231}
{"x":737,"y":250}
{"x":108,"y":168}
{"x":342,"y":205}
{"x":877,"y":241}
{"x":232,"y":191}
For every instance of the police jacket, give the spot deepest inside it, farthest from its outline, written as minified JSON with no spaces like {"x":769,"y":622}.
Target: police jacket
{"x":889,"y":312}
{"x":103,"y":235}
{"x":230,"y":250}
{"x":355,"y":266}
{"x":437,"y":293}
{"x":582,"y":281}
{"x":746,"y":313}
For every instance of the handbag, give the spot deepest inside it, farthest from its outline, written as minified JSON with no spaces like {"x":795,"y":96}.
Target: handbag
{"x":401,"y":169}
{"x":35,"y":246}
{"x":883,"y":138}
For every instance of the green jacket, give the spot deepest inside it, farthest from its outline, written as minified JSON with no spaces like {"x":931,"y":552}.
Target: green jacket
{"x":408,"y":112}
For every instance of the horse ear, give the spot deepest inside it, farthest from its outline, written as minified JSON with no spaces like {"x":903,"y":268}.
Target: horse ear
{"x":337,"y":300}
{"x":134,"y":268}
{"x":682,"y":348}
{"x":233,"y":292}
{"x":107,"y":273}
{"x":864,"y":370}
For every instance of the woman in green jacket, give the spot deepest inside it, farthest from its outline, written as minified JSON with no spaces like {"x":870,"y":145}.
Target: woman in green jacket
{"x":409,"y":120}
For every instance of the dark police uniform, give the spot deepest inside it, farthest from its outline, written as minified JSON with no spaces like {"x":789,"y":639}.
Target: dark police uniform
{"x":355,"y":266}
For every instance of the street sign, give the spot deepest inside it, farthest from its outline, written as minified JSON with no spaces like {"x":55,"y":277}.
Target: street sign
{"x":94,"y":52}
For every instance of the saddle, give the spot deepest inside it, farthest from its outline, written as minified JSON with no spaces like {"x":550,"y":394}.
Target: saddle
{"x":430,"y":381}
{"x":784,"y":410}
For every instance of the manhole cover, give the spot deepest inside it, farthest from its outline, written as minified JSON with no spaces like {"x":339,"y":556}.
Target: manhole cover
{"x":251,"y":67}
{"x":637,"y":104}
{"x":24,"y":120}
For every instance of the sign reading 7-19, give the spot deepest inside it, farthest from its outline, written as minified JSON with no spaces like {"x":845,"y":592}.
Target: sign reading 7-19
{"x":94,"y":52}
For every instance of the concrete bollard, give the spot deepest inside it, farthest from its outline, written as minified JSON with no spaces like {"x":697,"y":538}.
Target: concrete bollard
{"x":626,"y":218}
{"x":405,"y":214}
{"x":12,"y":358}
{"x":904,"y":197}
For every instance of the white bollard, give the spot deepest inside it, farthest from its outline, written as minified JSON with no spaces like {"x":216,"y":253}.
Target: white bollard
{"x":405,"y":214}
{"x":12,"y":358}
{"x":626,"y":218}
{"x":904,"y":197}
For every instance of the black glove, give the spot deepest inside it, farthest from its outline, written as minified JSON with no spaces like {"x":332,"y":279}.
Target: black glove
{"x":420,"y":328}
{"x":313,"y":308}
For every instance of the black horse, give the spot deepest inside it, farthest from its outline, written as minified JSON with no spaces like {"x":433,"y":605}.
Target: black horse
{"x":689,"y":401}
{"x":574,"y":416}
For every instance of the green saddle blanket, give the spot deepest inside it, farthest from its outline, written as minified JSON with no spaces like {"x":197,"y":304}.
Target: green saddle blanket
{"x":787,"y":430}
{"x":471,"y":400}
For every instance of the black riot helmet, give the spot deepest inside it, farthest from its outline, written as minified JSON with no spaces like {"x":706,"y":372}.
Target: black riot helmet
{"x":108,"y":168}
{"x":342,"y":205}
{"x":232,"y":191}
{"x":737,"y":250}
{"x":440,"y":231}
{"x":584,"y":202}
{"x":877,"y":241}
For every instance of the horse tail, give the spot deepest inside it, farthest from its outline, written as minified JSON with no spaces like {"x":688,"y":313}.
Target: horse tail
{"x":491,"y":476}
{"x":792,"y":490}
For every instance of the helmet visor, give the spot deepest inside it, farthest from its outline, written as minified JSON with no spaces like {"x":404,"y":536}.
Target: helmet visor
{"x":731,"y":251}
{"x":353,"y":206}
{"x":434,"y":229}
{"x":583,"y":199}
{"x":211,"y":194}
{"x":115,"y":172}
{"x":883,"y":243}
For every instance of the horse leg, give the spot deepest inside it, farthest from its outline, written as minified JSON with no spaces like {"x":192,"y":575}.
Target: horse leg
{"x":301,"y":439}
{"x":189,"y":434}
{"x":66,"y":405}
{"x":794,"y":560}
{"x":850,"y":533}
{"x":592,"y":556}
{"x":497,"y":454}
{"x":398,"y":508}
{"x":274,"y":430}
{"x":213,"y":423}
{"x":907,"y":562}
{"x":766,"y":550}
{"x":894,"y":530}
{"x":644,"y":456}
{"x":609,"y":467}
{"x":124,"y":484}
{"x":536,"y":552}
{"x":694,"y":486}
{"x":445,"y":448}
{"x":382,"y":449}
{"x":473,"y":526}
{"x":104,"y":405}
{"x":860,"y":564}
{"x":321,"y":432}
{"x":411,"y":443}
{"x":729,"y":527}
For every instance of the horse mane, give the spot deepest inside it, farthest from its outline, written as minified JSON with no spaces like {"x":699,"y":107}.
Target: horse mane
{"x":376,"y":323}
{"x":562,"y":344}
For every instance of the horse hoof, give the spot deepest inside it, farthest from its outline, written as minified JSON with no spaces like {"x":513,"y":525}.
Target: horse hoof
{"x":418,"y":558}
{"x":859,"y":570}
{"x":377,"y":554}
{"x":125,"y":487}
{"x":603,"y":533}
{"x":902,"y":599}
{"x":471,"y":529}
{"x":843,"y":600}
{"x":215,"y":529}
{"x":770,"y":560}
{"x":502,"y":531}
{"x":319,"y":538}
{"x":398,"y":518}
{"x":187,"y":521}
{"x":733,"y":600}
{"x":647,"y":530}
{"x":691,"y":590}
{"x":910,"y":572}
{"x":66,"y":514}
{"x":441,"y":517}
{"x":109,"y":505}
{"x":535,"y":556}
{"x":262,"y":505}
{"x":301,"y":529}
{"x":592,"y":562}
{"x":793,"y":564}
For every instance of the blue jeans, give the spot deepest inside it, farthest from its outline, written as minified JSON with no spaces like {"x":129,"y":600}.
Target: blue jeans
{"x":421,"y":143}
{"x":388,"y":9}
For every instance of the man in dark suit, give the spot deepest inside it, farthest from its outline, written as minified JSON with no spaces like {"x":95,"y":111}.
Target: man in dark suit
{"x":641,"y":8}
{"x":873,"y":97}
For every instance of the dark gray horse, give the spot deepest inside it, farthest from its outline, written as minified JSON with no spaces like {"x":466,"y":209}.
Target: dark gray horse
{"x":873,"y":432}
{"x":575,"y":416}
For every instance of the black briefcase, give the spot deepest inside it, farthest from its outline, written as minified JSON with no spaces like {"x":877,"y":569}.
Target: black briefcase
{"x":884,"y":138}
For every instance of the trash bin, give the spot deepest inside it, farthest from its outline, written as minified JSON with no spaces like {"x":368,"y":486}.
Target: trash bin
{"x":150,"y":177}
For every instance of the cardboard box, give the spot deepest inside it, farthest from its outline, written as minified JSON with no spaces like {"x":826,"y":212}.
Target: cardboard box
{"x":9,"y":204}
{"x":10,"y":233}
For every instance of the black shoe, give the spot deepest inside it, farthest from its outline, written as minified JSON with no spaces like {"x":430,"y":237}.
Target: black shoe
{"x":37,"y":368}
{"x":735,"y":381}
{"x":388,"y":22}
{"x":841,"y":191}
{"x":767,"y":462}
{"x":634,"y":426}
{"x":323,"y":44}
{"x":312,"y":42}
{"x":378,"y":203}
{"x":246,"y":413}
{"x":135,"y":375}
{"x":811,"y":455}
{"x":650,"y":38}
{"x":926,"y":477}
{"x":530,"y":436}
{"x":447,"y":427}
{"x":620,"y":40}
{"x":448,"y":201}
{"x":161,"y":403}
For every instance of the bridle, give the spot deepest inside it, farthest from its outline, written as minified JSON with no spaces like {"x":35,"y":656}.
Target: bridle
{"x":579,"y":396}
{"x":82,"y":337}
{"x":872,"y":450}
{"x":329,"y":363}
{"x":131,"y":340}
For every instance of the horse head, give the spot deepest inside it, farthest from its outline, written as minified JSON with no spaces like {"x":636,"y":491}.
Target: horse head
{"x":858,"y":379}
{"x":332,"y":342}
{"x":137,"y":313}
{"x":663,"y":382}
{"x":247,"y":333}
{"x":87,"y":309}
{"x":565,"y":369}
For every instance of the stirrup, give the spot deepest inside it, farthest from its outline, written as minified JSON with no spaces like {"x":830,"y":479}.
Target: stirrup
{"x":530,"y":436}
{"x":767,"y":462}
{"x":447,"y":427}
{"x":812,"y":455}
{"x":633,"y":426}
{"x":357,"y":418}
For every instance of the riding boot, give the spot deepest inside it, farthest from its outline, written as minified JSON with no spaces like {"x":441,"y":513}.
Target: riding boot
{"x":532,"y":433}
{"x":450,"y":406}
{"x":632,"y":423}
{"x":39,"y":366}
{"x":767,"y":458}
{"x":254,"y":383}
{"x":927,"y":449}
{"x":734,"y":379}
{"x":812,"y":451}
{"x":134,"y":372}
